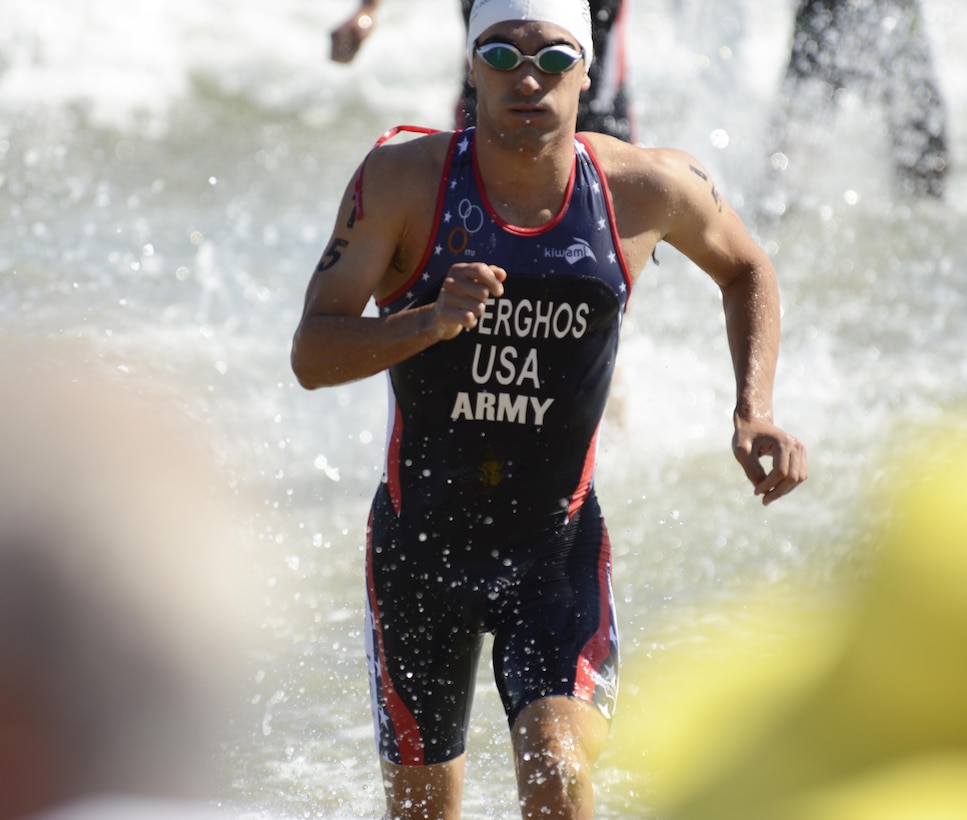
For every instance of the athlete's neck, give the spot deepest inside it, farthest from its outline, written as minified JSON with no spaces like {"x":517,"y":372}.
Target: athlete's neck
{"x":525,"y":180}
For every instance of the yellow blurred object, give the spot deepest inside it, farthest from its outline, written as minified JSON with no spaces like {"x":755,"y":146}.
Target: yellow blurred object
{"x":925,"y":787}
{"x":788,"y":713}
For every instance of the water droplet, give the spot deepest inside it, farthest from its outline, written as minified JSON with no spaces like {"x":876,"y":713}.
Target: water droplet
{"x":719,"y":138}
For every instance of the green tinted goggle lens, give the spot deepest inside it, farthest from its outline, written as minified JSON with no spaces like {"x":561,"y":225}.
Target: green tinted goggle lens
{"x":551,"y":60}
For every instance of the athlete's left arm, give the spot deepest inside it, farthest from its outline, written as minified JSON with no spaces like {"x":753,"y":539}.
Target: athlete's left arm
{"x":703,"y":226}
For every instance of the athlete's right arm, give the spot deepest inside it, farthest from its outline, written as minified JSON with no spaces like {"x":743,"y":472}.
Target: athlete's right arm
{"x":334,"y":343}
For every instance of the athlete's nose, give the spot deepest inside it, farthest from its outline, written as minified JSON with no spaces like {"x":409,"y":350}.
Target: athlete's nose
{"x":527,"y":81}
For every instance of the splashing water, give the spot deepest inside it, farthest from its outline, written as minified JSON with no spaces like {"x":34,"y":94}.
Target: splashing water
{"x":171,"y":171}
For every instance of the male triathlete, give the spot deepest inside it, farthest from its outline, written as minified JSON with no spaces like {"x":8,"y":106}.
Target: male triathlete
{"x":501,"y":258}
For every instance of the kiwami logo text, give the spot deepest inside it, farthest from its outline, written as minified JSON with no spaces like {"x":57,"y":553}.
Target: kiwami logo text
{"x":573,"y":253}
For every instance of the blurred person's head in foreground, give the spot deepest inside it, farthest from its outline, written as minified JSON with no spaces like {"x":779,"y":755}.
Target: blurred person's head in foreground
{"x":120,"y":601}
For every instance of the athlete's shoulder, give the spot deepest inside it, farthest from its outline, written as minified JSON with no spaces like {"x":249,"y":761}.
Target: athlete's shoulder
{"x":623,"y":160}
{"x":634,"y":171}
{"x":403,"y":172}
{"x":411,"y":154}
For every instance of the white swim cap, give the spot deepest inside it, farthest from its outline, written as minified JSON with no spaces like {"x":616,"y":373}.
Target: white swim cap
{"x":574,"y":16}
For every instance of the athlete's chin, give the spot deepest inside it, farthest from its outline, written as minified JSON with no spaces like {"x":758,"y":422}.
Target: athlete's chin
{"x":533,"y":123}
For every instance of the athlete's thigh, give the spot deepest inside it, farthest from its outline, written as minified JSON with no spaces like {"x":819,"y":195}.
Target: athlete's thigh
{"x":559,"y":637}
{"x":422,"y":660}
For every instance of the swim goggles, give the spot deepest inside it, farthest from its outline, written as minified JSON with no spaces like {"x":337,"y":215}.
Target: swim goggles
{"x":554,"y":59}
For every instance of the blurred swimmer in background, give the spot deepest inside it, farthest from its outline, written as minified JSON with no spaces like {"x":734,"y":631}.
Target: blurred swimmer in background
{"x":880,"y":51}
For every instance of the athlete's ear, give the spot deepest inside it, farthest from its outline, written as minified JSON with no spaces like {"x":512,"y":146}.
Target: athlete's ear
{"x":586,"y":82}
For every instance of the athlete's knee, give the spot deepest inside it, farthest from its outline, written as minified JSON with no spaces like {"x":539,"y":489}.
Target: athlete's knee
{"x":555,"y":782}
{"x":562,"y":767}
{"x":423,"y":792}
{"x":411,"y":805}
{"x":556,"y":743}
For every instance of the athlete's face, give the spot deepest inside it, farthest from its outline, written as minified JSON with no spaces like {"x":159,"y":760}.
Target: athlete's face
{"x":526,"y":100}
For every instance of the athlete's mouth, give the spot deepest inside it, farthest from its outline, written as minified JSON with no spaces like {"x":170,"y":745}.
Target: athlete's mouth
{"x":528,"y":110}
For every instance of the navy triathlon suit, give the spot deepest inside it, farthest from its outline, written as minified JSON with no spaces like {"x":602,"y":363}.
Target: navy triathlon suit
{"x":486,"y":519}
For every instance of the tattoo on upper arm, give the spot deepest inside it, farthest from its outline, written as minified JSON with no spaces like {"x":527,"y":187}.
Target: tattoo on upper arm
{"x":715,"y":192}
{"x":332,"y":254}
